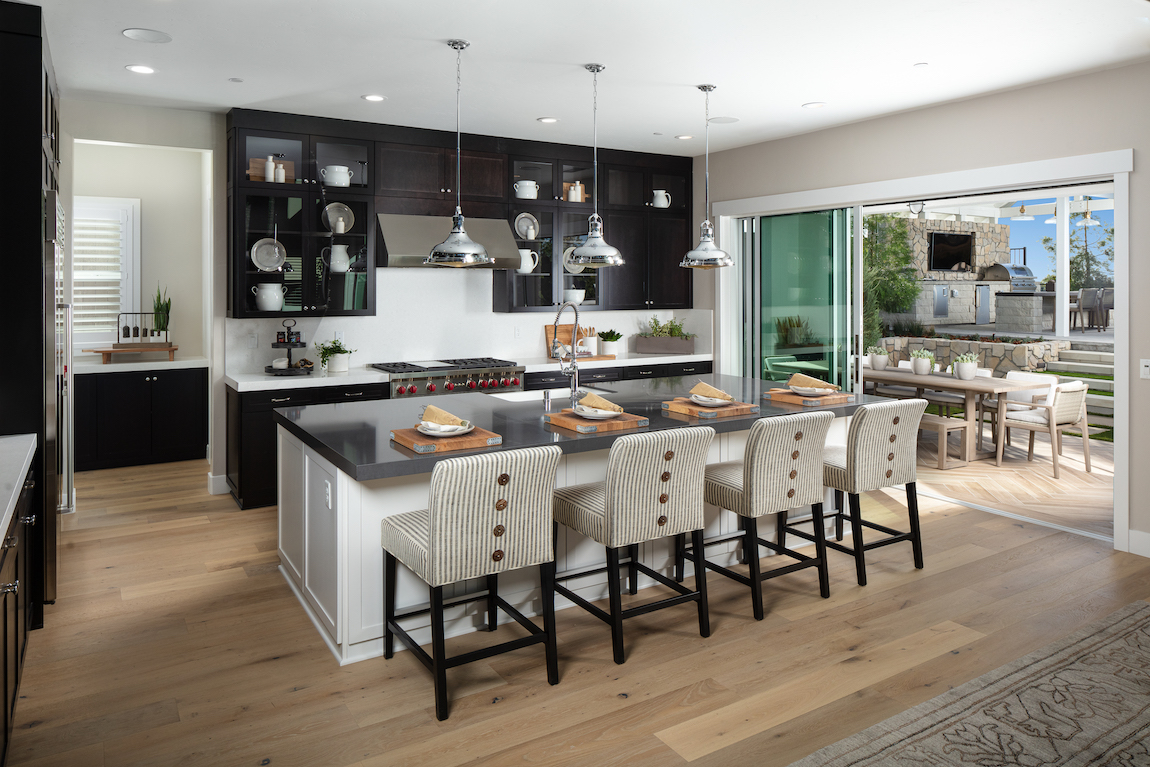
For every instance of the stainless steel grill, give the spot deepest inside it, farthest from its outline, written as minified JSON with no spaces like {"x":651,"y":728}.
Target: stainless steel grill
{"x":435,"y":378}
{"x":1020,"y":277}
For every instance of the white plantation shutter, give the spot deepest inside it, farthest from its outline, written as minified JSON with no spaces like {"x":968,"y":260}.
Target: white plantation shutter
{"x":105,"y":265}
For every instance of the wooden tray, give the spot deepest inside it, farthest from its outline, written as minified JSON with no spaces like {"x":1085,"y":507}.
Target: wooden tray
{"x":107,"y":353}
{"x":789,"y":397}
{"x":568,"y":420}
{"x":256,"y":169}
{"x":421,"y":443}
{"x":686,"y":407}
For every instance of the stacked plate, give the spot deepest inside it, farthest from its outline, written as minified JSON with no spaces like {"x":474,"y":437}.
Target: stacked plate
{"x":699,"y":399}
{"x":595,"y":414}
{"x":443,"y":429}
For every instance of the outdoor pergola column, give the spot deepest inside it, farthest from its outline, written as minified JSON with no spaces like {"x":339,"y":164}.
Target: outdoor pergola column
{"x":1062,"y":268}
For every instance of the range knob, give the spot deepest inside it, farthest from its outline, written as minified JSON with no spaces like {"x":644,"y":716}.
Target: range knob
{"x":431,"y":387}
{"x":449,"y":386}
{"x":401,"y":390}
{"x":514,"y":381}
{"x":503,"y":382}
{"x":482,"y":384}
{"x":471,"y":384}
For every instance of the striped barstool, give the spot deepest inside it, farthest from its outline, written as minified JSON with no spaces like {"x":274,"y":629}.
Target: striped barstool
{"x":654,"y":489}
{"x":486,"y":514}
{"x":881,"y":451}
{"x":782,"y":469}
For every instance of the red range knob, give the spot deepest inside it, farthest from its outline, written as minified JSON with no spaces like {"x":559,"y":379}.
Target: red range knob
{"x":492,"y":384}
{"x":483,"y":384}
{"x":471,"y":384}
{"x":431,"y":387}
{"x":503,"y":381}
{"x":514,"y":381}
{"x":401,"y":390}
{"x":449,"y":386}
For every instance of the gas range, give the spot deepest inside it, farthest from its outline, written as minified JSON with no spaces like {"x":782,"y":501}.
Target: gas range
{"x":431,"y":378}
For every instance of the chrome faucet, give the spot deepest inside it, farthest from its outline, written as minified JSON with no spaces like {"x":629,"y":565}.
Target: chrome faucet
{"x":568,"y":367}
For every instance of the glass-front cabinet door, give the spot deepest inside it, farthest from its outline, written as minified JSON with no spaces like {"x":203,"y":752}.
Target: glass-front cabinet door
{"x":625,"y":188}
{"x":342,"y":163}
{"x":269,"y":278}
{"x":669,"y":192}
{"x":286,"y":151}
{"x":534,"y":281}
{"x":578,"y":180}
{"x":532,"y":180}
{"x":587,"y":280}
{"x":343,"y":239}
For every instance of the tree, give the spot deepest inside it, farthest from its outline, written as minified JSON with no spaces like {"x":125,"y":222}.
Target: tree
{"x":889,"y":283}
{"x":1091,"y":255}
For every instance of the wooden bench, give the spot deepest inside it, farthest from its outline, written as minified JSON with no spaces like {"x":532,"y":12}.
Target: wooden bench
{"x":943,"y":426}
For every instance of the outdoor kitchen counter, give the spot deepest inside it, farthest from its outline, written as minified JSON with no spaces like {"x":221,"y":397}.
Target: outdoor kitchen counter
{"x":354,"y":436}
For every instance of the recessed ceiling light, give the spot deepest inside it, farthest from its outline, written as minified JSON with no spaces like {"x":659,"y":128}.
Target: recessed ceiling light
{"x":373,"y":97}
{"x":547,"y":119}
{"x":814,"y":105}
{"x":147,"y":35}
{"x":922,"y":65}
{"x":683,"y":138}
{"x":235,"y":79}
{"x":723,"y":120}
{"x":139,"y":69}
{"x":656,"y":134}
{"x":1144,"y":19}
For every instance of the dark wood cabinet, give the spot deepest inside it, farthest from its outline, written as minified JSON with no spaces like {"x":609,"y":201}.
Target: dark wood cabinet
{"x":129,"y":419}
{"x":627,"y":284}
{"x":553,"y":379}
{"x":423,"y":172}
{"x":484,"y":175}
{"x":15,"y":603}
{"x":669,"y":285}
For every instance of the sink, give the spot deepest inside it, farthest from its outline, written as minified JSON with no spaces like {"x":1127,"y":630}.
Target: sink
{"x":537,"y":395}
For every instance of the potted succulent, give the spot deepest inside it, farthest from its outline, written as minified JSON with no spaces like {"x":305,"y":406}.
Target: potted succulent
{"x":921,"y":361}
{"x":878,"y":357}
{"x":334,"y":356}
{"x":610,"y":342}
{"x":966,"y":366}
{"x":665,"y":338}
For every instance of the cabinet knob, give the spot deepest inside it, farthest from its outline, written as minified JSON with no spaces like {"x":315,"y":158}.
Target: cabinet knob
{"x":441,"y":189}
{"x":148,"y":378}
{"x":28,"y":520}
{"x":11,"y":541}
{"x":29,"y":484}
{"x":10,"y":588}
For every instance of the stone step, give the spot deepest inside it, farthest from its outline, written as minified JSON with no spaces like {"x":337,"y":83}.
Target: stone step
{"x":1093,"y":383}
{"x":1104,"y":421}
{"x":1092,"y":346}
{"x":1099,"y":403}
{"x":1080,"y":367}
{"x":1075,"y":355}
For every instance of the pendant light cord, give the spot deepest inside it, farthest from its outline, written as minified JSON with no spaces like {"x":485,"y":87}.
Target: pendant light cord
{"x":595,"y":138}
{"x":707,"y":160}
{"x":458,"y":88}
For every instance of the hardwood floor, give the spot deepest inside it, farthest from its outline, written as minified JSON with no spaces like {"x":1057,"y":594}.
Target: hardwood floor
{"x":175,"y":641}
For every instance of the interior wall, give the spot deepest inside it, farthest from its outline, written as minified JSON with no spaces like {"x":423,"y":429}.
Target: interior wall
{"x":1090,"y":113}
{"x":168,"y":184}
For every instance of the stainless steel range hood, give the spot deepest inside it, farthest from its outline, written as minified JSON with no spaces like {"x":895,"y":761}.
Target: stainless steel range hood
{"x":407,"y":240}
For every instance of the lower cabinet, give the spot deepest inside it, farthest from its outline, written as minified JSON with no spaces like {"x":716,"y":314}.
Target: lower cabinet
{"x":553,"y":379}
{"x":127,"y":419}
{"x":15,"y":596}
{"x":251,"y":449}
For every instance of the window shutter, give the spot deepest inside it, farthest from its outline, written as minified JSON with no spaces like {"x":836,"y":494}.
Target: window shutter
{"x":99,"y":248}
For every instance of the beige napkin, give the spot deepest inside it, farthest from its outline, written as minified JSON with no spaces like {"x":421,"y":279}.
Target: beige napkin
{"x":806,"y":382}
{"x":597,"y":402}
{"x":706,"y":390}
{"x":432,"y":414}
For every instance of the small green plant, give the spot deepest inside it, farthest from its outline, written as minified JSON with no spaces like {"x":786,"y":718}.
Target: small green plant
{"x":922,"y":354}
{"x":330,"y":349}
{"x":609,"y":335}
{"x":793,"y":331}
{"x":161,"y":310}
{"x":876,"y":350}
{"x":968,"y":357}
{"x":912,"y":328}
{"x":671,"y":328}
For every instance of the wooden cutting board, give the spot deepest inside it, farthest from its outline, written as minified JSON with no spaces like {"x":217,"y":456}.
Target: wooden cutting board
{"x":565,"y":332}
{"x":421,"y":443}
{"x":789,"y":397}
{"x":568,"y":420}
{"x":256,"y":169}
{"x":686,"y":407}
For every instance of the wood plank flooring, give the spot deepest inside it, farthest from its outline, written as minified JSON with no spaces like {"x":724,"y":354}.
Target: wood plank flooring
{"x":175,"y":641}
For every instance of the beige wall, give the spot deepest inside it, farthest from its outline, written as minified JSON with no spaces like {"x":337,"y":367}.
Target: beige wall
{"x":168,"y":183}
{"x":1092,"y":113}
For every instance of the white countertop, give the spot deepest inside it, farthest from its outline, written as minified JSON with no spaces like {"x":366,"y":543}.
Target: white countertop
{"x":87,"y":365}
{"x":16,"y":454}
{"x":545,"y":365}
{"x":265,"y":382}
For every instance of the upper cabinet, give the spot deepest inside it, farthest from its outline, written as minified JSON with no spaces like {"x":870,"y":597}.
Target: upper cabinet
{"x":303,"y":160}
{"x":429,"y":173}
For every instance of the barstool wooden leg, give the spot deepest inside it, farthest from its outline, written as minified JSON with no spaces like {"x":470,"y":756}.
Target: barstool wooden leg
{"x":857,"y":538}
{"x":615,"y":598}
{"x":492,"y":604}
{"x":680,"y":556}
{"x":839,"y":515}
{"x":781,"y":528}
{"x":438,"y":653}
{"x":388,"y":603}
{"x":701,"y":582}
{"x":750,"y":543}
{"x":915,"y":531}
{"x":821,"y":550}
{"x":633,"y":568}
{"x":547,"y":584}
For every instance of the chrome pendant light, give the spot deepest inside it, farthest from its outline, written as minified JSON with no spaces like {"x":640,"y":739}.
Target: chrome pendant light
{"x":706,"y":255}
{"x":595,"y":252}
{"x":458,"y":249}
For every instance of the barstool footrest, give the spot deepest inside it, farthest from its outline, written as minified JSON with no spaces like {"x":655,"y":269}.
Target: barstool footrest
{"x":882,"y":528}
{"x":685,"y":594}
{"x":597,"y":612}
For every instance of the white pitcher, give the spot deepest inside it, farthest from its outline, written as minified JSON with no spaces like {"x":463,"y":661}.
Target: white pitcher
{"x":269,"y":296}
{"x":339,"y":260}
{"x":660,"y":198}
{"x":528,"y":260}
{"x":526,"y":189}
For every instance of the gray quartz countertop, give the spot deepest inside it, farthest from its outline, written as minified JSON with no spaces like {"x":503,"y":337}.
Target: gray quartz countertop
{"x":16,"y":453}
{"x":355,"y":436}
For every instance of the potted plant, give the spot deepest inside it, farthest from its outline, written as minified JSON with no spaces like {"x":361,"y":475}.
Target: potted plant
{"x":610,"y":342}
{"x":921,"y":361}
{"x":878,"y":357}
{"x":161,"y":312}
{"x":665,"y":338}
{"x":334,"y":356}
{"x":966,"y":366}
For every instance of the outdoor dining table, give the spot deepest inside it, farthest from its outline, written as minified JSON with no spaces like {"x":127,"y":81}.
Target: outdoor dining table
{"x":971,"y":391}
{"x":803,"y":366}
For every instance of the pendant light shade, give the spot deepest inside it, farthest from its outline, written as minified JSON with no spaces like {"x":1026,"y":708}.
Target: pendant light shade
{"x":1089,"y":220}
{"x":458,"y":249}
{"x":706,"y":255}
{"x":595,"y":252}
{"x":1022,"y":215}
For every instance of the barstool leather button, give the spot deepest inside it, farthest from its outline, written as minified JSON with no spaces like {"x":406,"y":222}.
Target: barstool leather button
{"x":663,"y":498}
{"x":888,"y":473}
{"x":666,"y":476}
{"x":668,"y":455}
{"x":794,"y":473}
{"x":890,"y":456}
{"x":798,"y":436}
{"x":661,"y":521}
{"x":895,"y":421}
{"x":791,"y":493}
{"x":499,"y":530}
{"x":500,"y":505}
{"x":795,"y":455}
{"x":497,"y":555}
{"x":892,"y":438}
{"x":504,"y":479}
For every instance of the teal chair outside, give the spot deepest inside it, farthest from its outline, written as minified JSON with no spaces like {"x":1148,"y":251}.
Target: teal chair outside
{"x":772,"y":371}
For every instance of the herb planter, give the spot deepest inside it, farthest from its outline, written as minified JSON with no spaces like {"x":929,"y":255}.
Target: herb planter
{"x":664,"y":345}
{"x":338,"y":363}
{"x":615,"y":348}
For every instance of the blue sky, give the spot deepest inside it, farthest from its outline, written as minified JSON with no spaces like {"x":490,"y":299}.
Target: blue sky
{"x":1029,"y":234}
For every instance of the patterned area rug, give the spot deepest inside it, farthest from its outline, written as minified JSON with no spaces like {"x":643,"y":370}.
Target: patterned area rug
{"x":1084,"y":700}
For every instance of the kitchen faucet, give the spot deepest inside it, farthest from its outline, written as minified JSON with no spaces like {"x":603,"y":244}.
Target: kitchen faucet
{"x":569,"y":367}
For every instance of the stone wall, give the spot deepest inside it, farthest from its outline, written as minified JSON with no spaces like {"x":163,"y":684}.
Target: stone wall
{"x":991,"y":246}
{"x":961,"y":308}
{"x":999,"y":357}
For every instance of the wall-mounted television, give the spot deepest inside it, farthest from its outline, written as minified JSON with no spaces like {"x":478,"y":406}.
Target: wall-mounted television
{"x":951,"y":251}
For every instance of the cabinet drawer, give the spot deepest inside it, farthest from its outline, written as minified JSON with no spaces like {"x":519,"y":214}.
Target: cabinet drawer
{"x":643,"y":371}
{"x":350,"y":393}
{"x":600,"y":374}
{"x":269,"y":400}
{"x":548,"y":380}
{"x":687,"y":368}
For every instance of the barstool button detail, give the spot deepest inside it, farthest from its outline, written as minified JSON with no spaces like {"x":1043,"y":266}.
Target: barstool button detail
{"x":500,"y":505}
{"x":666,"y":476}
{"x":798,"y":436}
{"x":890,"y":456}
{"x":888,"y":473}
{"x":505,"y":478}
{"x":499,"y":530}
{"x":794,"y":474}
{"x":668,"y":455}
{"x":661,"y":521}
{"x":892,"y":438}
{"x":497,"y":555}
{"x":795,"y":456}
{"x":791,"y":493}
{"x":663,"y":498}
{"x":895,"y":421}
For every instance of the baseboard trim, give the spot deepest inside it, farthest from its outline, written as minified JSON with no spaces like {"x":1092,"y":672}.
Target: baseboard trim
{"x":217,"y":484}
{"x":1139,"y":543}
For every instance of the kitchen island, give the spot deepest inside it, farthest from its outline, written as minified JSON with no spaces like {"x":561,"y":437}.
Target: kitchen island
{"x":340,"y":474}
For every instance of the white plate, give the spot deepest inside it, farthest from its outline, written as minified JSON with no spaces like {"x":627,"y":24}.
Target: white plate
{"x":568,"y":265}
{"x":522,"y":222}
{"x":419,"y":427}
{"x":807,"y":391}
{"x":268,"y":255}
{"x":595,"y":414}
{"x":699,"y":399}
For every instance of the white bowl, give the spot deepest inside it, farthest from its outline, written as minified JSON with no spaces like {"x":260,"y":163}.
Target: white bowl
{"x":574,"y":296}
{"x":280,"y":363}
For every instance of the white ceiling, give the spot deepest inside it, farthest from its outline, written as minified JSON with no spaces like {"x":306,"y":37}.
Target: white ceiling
{"x":767,"y":57}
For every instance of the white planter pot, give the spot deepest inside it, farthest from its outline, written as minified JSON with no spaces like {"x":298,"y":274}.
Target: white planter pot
{"x":612,"y":347}
{"x":920,"y":366}
{"x":965,"y":370}
{"x":338,"y":363}
{"x":879,"y":361}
